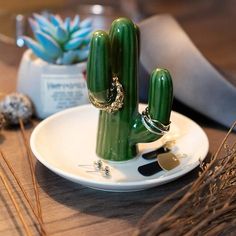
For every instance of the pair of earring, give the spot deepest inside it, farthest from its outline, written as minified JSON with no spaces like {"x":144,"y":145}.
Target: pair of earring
{"x":105,"y":171}
{"x":98,"y":166}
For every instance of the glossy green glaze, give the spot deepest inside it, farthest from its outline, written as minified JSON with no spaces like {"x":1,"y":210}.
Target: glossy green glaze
{"x":160,"y":95}
{"x":116,"y":54}
{"x":159,"y":104}
{"x":99,"y":67}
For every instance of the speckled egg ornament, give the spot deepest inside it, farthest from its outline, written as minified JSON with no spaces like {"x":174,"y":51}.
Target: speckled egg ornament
{"x":15,"y":107}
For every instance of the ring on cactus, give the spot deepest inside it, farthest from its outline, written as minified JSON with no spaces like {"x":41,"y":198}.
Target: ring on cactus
{"x":154,"y":126}
{"x":116,"y":104}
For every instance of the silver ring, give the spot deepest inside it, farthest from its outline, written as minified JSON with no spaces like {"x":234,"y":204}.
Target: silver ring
{"x":154,"y":126}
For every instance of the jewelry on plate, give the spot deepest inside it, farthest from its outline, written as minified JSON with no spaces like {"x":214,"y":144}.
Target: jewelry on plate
{"x":154,"y":126}
{"x":116,"y":104}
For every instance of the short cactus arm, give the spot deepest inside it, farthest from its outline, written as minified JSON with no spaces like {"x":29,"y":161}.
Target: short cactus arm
{"x":159,"y":104}
{"x":99,"y":75}
{"x":160,"y":96}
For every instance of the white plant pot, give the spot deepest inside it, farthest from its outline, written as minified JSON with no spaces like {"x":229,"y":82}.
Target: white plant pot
{"x":51,"y":88}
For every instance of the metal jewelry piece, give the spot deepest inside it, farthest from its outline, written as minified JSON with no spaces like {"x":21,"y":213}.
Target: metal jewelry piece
{"x":113,"y":106}
{"x":154,"y":126}
{"x":106,"y":171}
{"x":97,"y":165}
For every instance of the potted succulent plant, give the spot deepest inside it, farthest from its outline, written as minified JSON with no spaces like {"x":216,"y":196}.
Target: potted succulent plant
{"x":52,"y":70}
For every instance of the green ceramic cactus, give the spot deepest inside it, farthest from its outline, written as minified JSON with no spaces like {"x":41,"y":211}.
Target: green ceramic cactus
{"x":116,"y":56}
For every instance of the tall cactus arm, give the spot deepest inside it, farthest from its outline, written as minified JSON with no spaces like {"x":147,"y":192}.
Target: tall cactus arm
{"x":99,"y":75}
{"x":124,"y":51}
{"x":123,"y":36}
{"x":159,"y":107}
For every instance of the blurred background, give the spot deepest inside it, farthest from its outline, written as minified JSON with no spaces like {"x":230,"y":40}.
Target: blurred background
{"x":208,"y":23}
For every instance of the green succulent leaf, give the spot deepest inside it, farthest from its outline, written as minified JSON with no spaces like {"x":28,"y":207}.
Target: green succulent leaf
{"x":66,"y":24}
{"x":75,"y":24}
{"x":49,"y":44}
{"x":82,"y":54}
{"x":73,"y":44}
{"x":38,"y":50}
{"x":61,"y":35}
{"x":56,"y":37}
{"x":50,"y":33}
{"x":44,"y":22}
{"x":69,"y":58}
{"x":86,"y":41}
{"x":81,"y":33}
{"x":56,"y":20}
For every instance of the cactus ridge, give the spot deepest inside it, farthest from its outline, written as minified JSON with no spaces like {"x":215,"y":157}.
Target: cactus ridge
{"x":116,"y":55}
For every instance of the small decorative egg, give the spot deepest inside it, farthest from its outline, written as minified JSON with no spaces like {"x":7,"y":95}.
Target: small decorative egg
{"x":16,"y":106}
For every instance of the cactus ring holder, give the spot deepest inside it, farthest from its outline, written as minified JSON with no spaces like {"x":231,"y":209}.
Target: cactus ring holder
{"x":112,"y":79}
{"x":121,"y":127}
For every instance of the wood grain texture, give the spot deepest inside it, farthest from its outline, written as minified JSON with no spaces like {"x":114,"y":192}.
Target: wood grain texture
{"x":71,"y":209}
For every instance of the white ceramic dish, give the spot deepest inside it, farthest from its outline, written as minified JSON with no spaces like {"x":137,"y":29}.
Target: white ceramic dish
{"x":65,"y":143}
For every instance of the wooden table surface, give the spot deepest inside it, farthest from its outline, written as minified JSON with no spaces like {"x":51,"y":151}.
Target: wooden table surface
{"x":72,"y":209}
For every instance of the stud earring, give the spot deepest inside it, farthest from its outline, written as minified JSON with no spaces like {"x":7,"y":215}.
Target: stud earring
{"x":98,"y":165}
{"x":106,"y":171}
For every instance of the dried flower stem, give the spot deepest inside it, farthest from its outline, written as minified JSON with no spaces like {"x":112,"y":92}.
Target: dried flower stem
{"x":208,"y":219}
{"x":216,"y":230}
{"x":27,"y":231}
{"x":30,"y":161}
{"x":24,"y":192}
{"x":213,"y":194}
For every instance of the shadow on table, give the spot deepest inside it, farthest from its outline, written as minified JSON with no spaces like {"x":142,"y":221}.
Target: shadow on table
{"x":129,"y":206}
{"x":2,"y":138}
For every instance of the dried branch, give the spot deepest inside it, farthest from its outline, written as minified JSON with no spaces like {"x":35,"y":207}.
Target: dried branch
{"x":208,"y":206}
{"x":30,"y":161}
{"x":23,"y":192}
{"x":13,"y":200}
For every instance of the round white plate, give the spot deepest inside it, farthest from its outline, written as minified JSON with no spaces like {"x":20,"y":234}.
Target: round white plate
{"x":65,"y":143}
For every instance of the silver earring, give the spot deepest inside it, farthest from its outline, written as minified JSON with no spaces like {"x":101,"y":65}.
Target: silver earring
{"x":98,"y":165}
{"x":106,"y":171}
